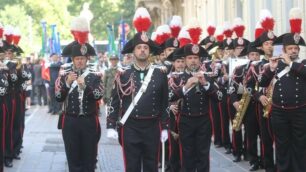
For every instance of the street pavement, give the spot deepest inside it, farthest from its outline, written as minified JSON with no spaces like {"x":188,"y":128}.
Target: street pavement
{"x":44,"y":149}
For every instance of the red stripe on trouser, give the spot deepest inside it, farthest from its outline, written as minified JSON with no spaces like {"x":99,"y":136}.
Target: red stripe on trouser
{"x":3,"y":126}
{"x":63,"y":120}
{"x":23,"y":110}
{"x":269,"y":128}
{"x":179,"y":143}
{"x":12,"y":123}
{"x":211,"y":118}
{"x":233,"y":131}
{"x":97,"y":123}
{"x":221,"y":119}
{"x":158,"y":155}
{"x":122,"y":145}
{"x":169,"y":144}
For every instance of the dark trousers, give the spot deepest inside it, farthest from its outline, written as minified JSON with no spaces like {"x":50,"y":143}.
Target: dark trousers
{"x":81,"y":136}
{"x":18,"y":123}
{"x":174,"y":162}
{"x":140,"y":144}
{"x":214,"y":105}
{"x":236,"y":135}
{"x":224,"y":121}
{"x":267,"y":152}
{"x":9,"y":123}
{"x":195,"y":137}
{"x":251,"y":122}
{"x":174,"y":149}
{"x":2,"y":131}
{"x":54,"y":106}
{"x":41,"y":94}
{"x":289,"y":127}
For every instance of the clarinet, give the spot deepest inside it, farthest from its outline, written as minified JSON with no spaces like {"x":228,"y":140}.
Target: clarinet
{"x":81,"y":93}
{"x":197,"y":86}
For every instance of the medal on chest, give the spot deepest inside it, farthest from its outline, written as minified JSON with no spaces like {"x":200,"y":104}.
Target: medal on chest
{"x":141,"y":76}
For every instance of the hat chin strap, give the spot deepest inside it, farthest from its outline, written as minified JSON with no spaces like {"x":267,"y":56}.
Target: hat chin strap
{"x":294,"y":57}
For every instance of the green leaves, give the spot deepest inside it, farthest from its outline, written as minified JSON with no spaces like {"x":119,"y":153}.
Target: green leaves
{"x":28,"y":14}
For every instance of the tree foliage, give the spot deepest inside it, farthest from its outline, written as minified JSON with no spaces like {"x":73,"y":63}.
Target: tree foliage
{"x":19,"y":13}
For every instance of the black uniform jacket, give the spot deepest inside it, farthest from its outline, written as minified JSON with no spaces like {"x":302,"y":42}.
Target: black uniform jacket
{"x":153,"y":102}
{"x":92,"y":92}
{"x":194,"y":104}
{"x":289,"y":90}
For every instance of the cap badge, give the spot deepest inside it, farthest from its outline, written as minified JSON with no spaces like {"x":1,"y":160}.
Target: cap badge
{"x":229,"y":41}
{"x":270,"y":35}
{"x":83,"y":49}
{"x":175,"y":43}
{"x":212,"y":39}
{"x":296,"y":38}
{"x":144,"y":37}
{"x":195,"y":49}
{"x":240,"y":41}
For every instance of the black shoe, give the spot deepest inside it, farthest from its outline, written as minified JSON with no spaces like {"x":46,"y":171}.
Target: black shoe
{"x":228,"y":150}
{"x":270,"y":170}
{"x":8,"y":163}
{"x":17,"y":157}
{"x":254,"y":167}
{"x":50,"y":111}
{"x":237,"y":158}
{"x":218,"y":145}
{"x":246,"y":157}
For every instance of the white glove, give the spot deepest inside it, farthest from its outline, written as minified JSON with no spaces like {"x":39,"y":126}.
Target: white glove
{"x":47,"y":85}
{"x":112,"y":133}
{"x":164,"y":136}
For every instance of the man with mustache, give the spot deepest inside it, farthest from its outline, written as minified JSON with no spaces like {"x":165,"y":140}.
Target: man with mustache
{"x":288,"y":79}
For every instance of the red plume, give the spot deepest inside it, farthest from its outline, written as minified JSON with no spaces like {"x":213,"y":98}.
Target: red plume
{"x":295,"y":25}
{"x":82,"y":37}
{"x":258,"y":32}
{"x":266,"y":20}
{"x":228,"y":33}
{"x":142,"y":24}
{"x":16,"y":39}
{"x":1,"y":32}
{"x":220,"y":38}
{"x":184,"y":41}
{"x":239,"y":30}
{"x":195,"y":34}
{"x":175,"y":25}
{"x":175,"y":30}
{"x":162,"y":38}
{"x":295,"y":20}
{"x":9,"y":38}
{"x":184,"y":37}
{"x":142,"y":20}
{"x":211,"y":30}
{"x":74,"y":35}
{"x":268,"y":23}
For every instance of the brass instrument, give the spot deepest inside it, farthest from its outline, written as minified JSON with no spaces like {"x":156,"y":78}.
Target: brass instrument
{"x":267,"y":108}
{"x":243,"y":105}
